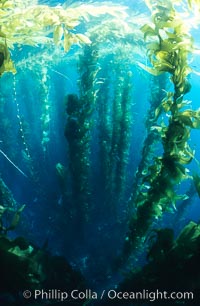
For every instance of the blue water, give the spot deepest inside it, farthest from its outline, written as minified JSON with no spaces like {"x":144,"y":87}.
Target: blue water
{"x":33,"y":138}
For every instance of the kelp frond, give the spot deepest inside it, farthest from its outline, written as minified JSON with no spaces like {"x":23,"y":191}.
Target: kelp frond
{"x":19,"y":22}
{"x":33,"y":24}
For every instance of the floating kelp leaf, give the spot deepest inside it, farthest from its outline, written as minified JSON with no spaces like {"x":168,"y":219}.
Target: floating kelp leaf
{"x":171,"y":35}
{"x":185,"y":44}
{"x":58,"y":34}
{"x":183,"y":159}
{"x":17,"y":251}
{"x":83,"y":38}
{"x":152,"y":71}
{"x":182,"y":72}
{"x":67,"y":41}
{"x":181,"y":173}
{"x":163,"y":55}
{"x":166,"y":105}
{"x":163,"y":66}
{"x":185,"y":117}
{"x":176,"y":24}
{"x":189,"y":118}
{"x":189,"y":233}
{"x":196,"y":124}
{"x":187,"y":155}
{"x":8,"y":66}
{"x":148,"y":31}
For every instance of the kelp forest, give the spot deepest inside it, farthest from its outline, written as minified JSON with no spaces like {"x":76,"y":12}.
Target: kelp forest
{"x":99,"y":153}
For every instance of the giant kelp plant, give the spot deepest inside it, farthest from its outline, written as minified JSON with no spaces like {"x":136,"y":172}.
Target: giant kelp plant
{"x":114,"y":124}
{"x":78,"y":132}
{"x":168,"y":52}
{"x":157,"y":86}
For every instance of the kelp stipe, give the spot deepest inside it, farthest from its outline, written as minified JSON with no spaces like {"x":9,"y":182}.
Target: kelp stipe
{"x":21,"y":127}
{"x":105,"y":136}
{"x":78,"y":133}
{"x":115,"y":119}
{"x":157,"y":92}
{"x":122,"y":120}
{"x":46,"y":107}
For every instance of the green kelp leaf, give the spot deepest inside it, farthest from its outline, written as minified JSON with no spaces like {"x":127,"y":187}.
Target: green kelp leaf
{"x":83,"y":39}
{"x":68,"y":40}
{"x":190,"y":231}
{"x":196,"y":124}
{"x":58,"y":34}
{"x":148,"y":31}
{"x":21,"y":253}
{"x":149,"y":69}
{"x":163,"y":66}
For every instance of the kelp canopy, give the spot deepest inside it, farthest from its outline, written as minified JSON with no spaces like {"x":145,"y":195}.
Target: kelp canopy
{"x":28,"y":23}
{"x":35,"y":24}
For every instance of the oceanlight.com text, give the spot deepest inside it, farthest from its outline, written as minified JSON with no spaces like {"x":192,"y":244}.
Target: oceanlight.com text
{"x":88,"y":294}
{"x":150,"y":295}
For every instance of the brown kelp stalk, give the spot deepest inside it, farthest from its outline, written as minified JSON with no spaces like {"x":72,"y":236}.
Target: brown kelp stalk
{"x":46,"y":108}
{"x":104,"y":107}
{"x":115,"y":119}
{"x":115,"y":158}
{"x":125,"y":124}
{"x":157,"y":93}
{"x":78,"y":132}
